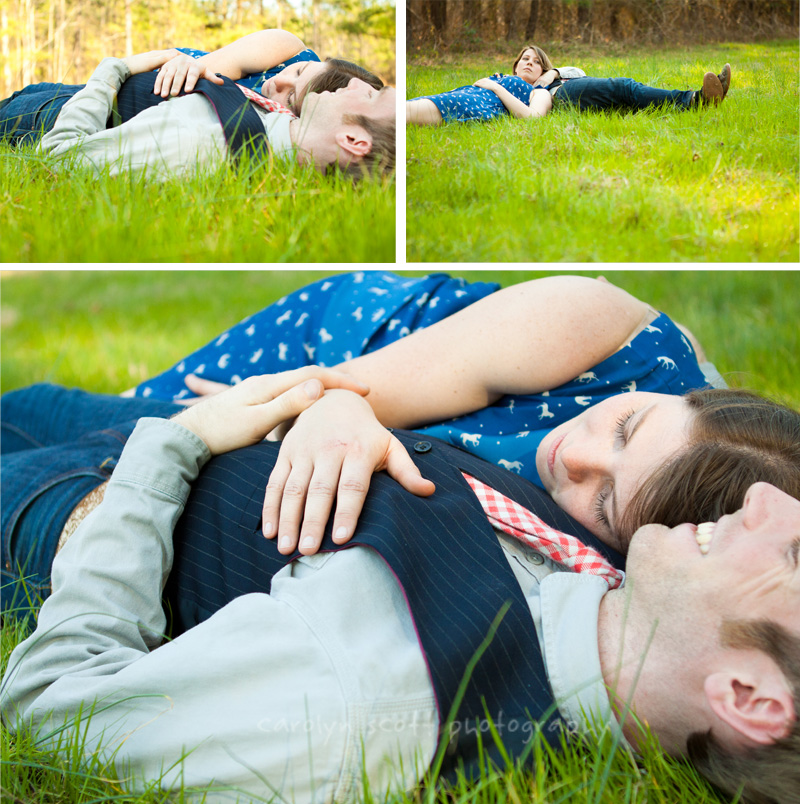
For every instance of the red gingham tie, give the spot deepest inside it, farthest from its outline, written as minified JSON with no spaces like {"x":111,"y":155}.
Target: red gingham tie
{"x":265,"y":103}
{"x":519,"y":522}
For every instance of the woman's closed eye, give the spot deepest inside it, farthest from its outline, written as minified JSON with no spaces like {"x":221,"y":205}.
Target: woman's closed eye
{"x":621,"y":437}
{"x":620,"y":431}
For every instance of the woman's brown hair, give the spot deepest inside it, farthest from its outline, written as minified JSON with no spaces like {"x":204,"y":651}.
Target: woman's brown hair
{"x":338,"y":75}
{"x":543,"y":57}
{"x":737,"y":438}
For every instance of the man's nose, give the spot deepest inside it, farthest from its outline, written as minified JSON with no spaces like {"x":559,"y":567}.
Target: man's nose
{"x":764,"y":501}
{"x":357,"y":83}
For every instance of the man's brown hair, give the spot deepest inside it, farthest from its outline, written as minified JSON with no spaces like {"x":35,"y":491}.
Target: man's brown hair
{"x":737,"y":438}
{"x":768,"y":774}
{"x":381,"y":158}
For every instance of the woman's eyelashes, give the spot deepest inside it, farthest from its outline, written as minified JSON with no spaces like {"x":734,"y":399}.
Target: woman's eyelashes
{"x":621,"y":439}
{"x":620,"y":429}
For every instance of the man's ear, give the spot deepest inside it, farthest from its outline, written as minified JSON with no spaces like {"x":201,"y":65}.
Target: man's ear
{"x":756,"y":704}
{"x":354,"y":140}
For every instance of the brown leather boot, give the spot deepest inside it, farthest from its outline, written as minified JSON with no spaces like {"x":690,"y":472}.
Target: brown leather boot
{"x":725,"y":79}
{"x":712,"y":91}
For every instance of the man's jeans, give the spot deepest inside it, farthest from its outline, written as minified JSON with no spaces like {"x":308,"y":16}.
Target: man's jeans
{"x":619,"y":93}
{"x":32,"y":111}
{"x":54,"y":452}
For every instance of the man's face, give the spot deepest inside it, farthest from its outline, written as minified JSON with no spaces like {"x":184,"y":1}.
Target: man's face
{"x":357,"y":98}
{"x":593,"y":464}
{"x":746,"y":566}
{"x":289,"y":85}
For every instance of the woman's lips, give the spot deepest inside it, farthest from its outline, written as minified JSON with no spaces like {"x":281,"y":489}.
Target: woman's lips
{"x":551,"y":455}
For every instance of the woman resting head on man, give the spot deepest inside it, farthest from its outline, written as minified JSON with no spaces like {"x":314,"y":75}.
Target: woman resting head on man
{"x":273,"y":62}
{"x":570,"y":382}
{"x":535,"y":85}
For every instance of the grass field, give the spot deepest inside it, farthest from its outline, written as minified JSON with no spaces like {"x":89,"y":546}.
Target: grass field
{"x":717,"y":184}
{"x":272,"y":213}
{"x":108,"y":331}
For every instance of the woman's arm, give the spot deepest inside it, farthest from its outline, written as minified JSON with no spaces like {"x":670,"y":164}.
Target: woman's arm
{"x":540,"y":103}
{"x":523,"y":339}
{"x":253,"y":53}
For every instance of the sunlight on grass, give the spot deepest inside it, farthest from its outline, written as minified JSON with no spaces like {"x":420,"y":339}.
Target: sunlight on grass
{"x":718,"y":184}
{"x":259,"y":213}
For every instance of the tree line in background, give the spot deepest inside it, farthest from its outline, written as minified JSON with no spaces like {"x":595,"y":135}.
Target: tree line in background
{"x":467,"y":24}
{"x":63,"y":40}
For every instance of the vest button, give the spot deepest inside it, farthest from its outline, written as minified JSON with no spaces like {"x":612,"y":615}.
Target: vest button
{"x":423,"y":446}
{"x":536,"y":558}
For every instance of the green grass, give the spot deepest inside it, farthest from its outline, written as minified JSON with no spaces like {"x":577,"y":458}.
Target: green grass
{"x":106,"y":331}
{"x":267,"y":213}
{"x":717,"y":184}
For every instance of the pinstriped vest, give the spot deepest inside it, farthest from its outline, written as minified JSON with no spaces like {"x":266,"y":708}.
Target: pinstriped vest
{"x":244,"y":131}
{"x":454,"y":591}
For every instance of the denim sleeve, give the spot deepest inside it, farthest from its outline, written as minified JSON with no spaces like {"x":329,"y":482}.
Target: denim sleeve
{"x":105,"y":611}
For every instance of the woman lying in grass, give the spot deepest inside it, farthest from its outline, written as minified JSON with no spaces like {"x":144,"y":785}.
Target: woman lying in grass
{"x":536,"y":86}
{"x":275,"y":62}
{"x":567,"y":381}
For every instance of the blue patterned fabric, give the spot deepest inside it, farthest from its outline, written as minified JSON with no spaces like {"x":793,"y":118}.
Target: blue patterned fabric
{"x":659,"y":360}
{"x":344,"y":316}
{"x":475,"y":103}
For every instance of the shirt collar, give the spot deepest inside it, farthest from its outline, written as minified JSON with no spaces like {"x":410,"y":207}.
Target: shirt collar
{"x":570,"y":605}
{"x":280,"y":141}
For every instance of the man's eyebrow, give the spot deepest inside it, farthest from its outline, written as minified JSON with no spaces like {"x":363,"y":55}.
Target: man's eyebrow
{"x":612,"y":509}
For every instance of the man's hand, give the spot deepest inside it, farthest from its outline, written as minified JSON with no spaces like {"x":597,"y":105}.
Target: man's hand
{"x":545,"y":79}
{"x":332,"y":451}
{"x":152,"y":60}
{"x":182,"y":71}
{"x":245,"y":413}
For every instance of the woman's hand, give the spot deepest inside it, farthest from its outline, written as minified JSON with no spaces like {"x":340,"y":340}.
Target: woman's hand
{"x":331,"y":451}
{"x":245,"y":413}
{"x":152,"y":60}
{"x":182,"y":71}
{"x":487,"y":83}
{"x":201,"y":388}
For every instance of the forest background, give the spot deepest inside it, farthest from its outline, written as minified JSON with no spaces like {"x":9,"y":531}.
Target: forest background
{"x":63,"y":40}
{"x":464,"y":25}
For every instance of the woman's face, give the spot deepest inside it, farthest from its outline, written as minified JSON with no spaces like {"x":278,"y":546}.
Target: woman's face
{"x":529,"y":67}
{"x":593,"y":464}
{"x":289,"y":85}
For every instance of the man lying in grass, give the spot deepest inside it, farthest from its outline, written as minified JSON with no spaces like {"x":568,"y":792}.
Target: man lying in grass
{"x":520,"y":96}
{"x":352,"y":128}
{"x":346,"y":670}
{"x":274,"y":62}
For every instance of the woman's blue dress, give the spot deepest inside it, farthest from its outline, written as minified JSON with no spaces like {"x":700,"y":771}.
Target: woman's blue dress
{"x":474,"y":103}
{"x":347,"y":315}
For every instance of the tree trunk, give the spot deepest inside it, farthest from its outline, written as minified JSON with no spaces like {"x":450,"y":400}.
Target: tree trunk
{"x":5,"y":52}
{"x":533,"y":19}
{"x":584,"y":18}
{"x":128,"y":27}
{"x":438,"y":12}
